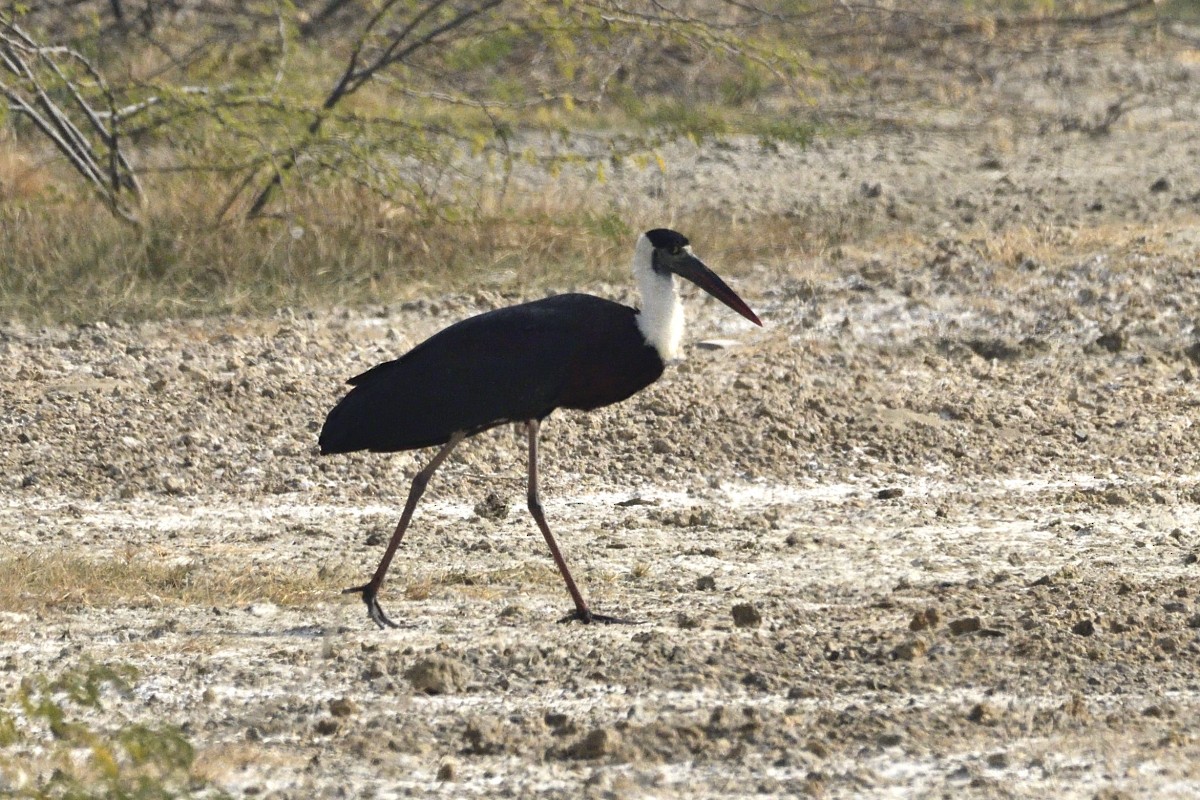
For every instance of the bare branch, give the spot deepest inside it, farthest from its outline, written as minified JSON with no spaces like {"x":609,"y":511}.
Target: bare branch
{"x":30,"y":97}
{"x":354,"y":77}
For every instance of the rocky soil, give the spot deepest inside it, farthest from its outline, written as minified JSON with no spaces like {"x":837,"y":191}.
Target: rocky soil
{"x":934,"y":530}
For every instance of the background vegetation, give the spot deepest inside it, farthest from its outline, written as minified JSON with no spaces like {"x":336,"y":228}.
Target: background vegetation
{"x":56,"y":747}
{"x":168,"y":157}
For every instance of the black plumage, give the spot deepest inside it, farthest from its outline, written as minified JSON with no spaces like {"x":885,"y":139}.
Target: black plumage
{"x":509,"y":365}
{"x":519,"y":364}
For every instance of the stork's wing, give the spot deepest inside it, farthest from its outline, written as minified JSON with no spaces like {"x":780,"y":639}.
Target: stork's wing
{"x":505,"y":365}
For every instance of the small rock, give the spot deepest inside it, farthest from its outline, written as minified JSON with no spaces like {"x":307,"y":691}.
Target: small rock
{"x":965,"y":625}
{"x":717,"y":344}
{"x":447,"y":771}
{"x":1161,"y":185}
{"x":1113,"y":341}
{"x":889,"y":739}
{"x":757,"y":681}
{"x":484,"y":737}
{"x":818,"y":749}
{"x":924,"y":619}
{"x":1084,"y":627}
{"x":706,"y":583}
{"x":492,"y":507}
{"x":555,"y":719}
{"x":910,"y":650}
{"x":597,"y":743}
{"x":262,"y":609}
{"x":746,"y":615}
{"x":342,"y":707}
{"x":889,"y":494}
{"x":984,"y":714}
{"x":511,"y":612}
{"x":173,"y":484}
{"x":328,"y":726}
{"x":636,"y":501}
{"x":437,"y":675}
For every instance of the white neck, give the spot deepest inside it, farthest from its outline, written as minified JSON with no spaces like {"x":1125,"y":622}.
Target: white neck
{"x":661,"y":317}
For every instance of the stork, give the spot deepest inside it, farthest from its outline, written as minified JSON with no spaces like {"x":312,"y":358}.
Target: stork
{"x":518,"y":364}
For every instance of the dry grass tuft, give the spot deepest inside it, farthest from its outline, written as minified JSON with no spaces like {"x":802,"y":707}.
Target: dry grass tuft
{"x":69,"y":260}
{"x":51,"y":581}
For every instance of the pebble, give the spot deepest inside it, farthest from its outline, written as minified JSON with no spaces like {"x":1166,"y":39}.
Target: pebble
{"x":342,"y":707}
{"x":924,"y":619}
{"x":492,"y":507}
{"x":984,"y":714}
{"x":437,"y":675}
{"x":262,"y":609}
{"x":746,"y":615}
{"x":910,"y":650}
{"x":1084,"y":627}
{"x":717,"y":344}
{"x":173,"y":484}
{"x":597,"y":743}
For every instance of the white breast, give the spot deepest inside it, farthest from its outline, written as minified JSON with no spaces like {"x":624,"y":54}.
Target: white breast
{"x":661,"y":317}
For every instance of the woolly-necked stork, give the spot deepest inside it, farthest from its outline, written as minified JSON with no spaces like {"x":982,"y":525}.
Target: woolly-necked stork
{"x":518,"y":364}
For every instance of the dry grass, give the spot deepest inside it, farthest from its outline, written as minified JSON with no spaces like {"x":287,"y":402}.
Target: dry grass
{"x":224,"y":762}
{"x":67,"y":259}
{"x":335,"y":243}
{"x":53,"y":581}
{"x":41,"y":581}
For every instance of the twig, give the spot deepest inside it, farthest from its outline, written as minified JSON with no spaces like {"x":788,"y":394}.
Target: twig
{"x":355,"y":76}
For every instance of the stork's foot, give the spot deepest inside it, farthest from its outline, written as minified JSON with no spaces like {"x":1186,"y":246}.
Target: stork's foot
{"x":368,"y":593}
{"x":587,"y":618}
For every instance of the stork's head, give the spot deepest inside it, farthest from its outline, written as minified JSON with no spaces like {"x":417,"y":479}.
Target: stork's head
{"x":660,"y":256}
{"x":662,"y":253}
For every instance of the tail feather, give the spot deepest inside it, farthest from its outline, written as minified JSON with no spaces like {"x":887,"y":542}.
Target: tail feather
{"x":382,"y":418}
{"x":336,"y":432}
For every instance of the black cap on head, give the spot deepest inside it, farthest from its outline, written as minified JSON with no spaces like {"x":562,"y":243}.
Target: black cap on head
{"x":666,"y":238}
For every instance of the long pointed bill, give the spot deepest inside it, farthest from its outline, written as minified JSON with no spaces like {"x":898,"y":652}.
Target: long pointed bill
{"x":698,"y":273}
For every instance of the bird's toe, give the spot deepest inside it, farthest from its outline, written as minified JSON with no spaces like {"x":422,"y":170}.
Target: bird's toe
{"x":374,"y":611}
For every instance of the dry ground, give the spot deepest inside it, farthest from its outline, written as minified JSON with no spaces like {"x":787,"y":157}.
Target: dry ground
{"x":933,"y":531}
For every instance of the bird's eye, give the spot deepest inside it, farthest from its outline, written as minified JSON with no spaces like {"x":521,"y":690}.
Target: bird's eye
{"x":676,"y":250}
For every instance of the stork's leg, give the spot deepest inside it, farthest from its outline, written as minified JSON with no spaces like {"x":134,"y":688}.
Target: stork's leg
{"x":420,"y":481}
{"x":582,"y":612}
